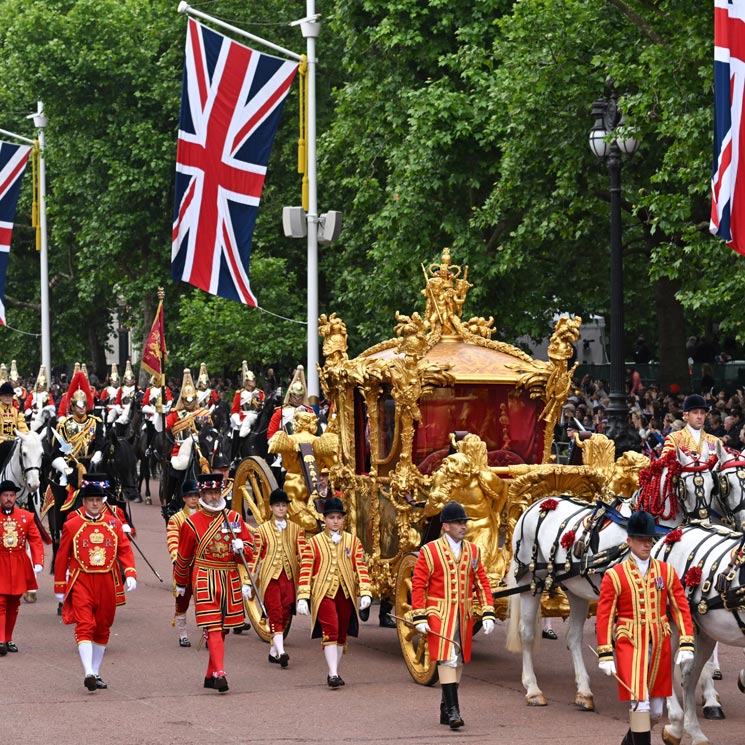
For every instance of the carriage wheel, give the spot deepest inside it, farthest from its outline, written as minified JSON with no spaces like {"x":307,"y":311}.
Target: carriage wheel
{"x":413,"y":644}
{"x":259,"y":624}
{"x":253,"y":483}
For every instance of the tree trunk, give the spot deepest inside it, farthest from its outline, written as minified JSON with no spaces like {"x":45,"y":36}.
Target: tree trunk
{"x":671,"y":336}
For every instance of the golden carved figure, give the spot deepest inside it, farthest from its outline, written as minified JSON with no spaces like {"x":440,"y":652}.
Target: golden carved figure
{"x":465,"y":477}
{"x":324,"y":447}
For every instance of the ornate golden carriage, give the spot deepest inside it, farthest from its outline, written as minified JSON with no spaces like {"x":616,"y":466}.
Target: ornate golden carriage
{"x":443,"y":412}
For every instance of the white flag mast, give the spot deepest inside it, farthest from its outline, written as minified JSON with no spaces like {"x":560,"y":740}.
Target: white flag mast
{"x":310,"y":28}
{"x":40,"y":122}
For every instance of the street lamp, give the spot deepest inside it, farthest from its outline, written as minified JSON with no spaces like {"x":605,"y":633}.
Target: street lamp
{"x":608,"y":119}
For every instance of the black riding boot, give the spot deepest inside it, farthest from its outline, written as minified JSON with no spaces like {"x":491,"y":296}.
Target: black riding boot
{"x":450,"y":693}
{"x":640,"y":738}
{"x":444,"y":718}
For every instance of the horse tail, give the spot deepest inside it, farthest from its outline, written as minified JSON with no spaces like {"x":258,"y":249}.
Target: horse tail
{"x":513,"y":642}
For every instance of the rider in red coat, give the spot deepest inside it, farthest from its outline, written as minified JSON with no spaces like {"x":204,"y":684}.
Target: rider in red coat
{"x":17,"y":572}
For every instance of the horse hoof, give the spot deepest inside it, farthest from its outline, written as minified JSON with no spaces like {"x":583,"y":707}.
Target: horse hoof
{"x":740,"y":685}
{"x":137,"y":499}
{"x":668,"y":739}
{"x":713,"y":712}
{"x":584,"y":702}
{"x":702,"y":742}
{"x":538,"y":700}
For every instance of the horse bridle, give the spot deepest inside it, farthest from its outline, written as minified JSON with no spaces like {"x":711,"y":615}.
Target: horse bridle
{"x":724,"y":488}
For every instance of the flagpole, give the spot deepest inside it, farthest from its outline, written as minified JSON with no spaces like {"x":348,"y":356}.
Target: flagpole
{"x":310,"y":28}
{"x":40,"y":122}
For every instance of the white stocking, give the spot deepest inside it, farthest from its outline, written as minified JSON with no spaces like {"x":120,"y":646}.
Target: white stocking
{"x":332,"y":659}
{"x":278,"y":644}
{"x":97,"y":657}
{"x":85,"y":650}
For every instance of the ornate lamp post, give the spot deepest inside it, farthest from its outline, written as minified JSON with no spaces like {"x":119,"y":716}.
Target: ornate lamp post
{"x":608,"y":118}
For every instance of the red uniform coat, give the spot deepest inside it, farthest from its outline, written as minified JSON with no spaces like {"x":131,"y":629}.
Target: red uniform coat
{"x":92,"y":547}
{"x":637,"y":607}
{"x":445,"y":592}
{"x":206,"y":543}
{"x":16,"y":571}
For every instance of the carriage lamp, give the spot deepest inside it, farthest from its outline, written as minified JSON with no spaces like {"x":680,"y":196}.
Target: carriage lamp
{"x":611,"y":138}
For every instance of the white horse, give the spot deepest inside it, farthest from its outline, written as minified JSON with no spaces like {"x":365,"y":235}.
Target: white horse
{"x":730,"y":470}
{"x":23,"y":465}
{"x":573,"y":543}
{"x":710,"y":560}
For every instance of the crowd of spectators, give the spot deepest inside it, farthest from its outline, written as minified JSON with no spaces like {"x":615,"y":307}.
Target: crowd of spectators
{"x":655,"y":413}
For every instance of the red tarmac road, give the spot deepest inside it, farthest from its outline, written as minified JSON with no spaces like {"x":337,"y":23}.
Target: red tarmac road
{"x":155,"y":694}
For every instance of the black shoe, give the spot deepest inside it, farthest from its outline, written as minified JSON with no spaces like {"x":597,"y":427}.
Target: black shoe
{"x":184,"y":642}
{"x":90,"y":683}
{"x":284,"y":659}
{"x":3,"y":649}
{"x":716,"y":675}
{"x":334,"y":681}
{"x":221,"y":684}
{"x":386,"y":621}
{"x":209,"y":682}
{"x":59,"y":609}
{"x":100,"y":683}
{"x":549,"y":634}
{"x":11,"y":647}
{"x":275,"y":660}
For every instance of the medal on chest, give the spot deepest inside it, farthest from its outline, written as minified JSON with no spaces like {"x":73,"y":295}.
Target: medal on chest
{"x":10,"y":534}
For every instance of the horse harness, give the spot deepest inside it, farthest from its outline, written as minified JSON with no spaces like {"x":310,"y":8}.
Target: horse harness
{"x":589,"y":562}
{"x":728,"y":598}
{"x":724,"y":488}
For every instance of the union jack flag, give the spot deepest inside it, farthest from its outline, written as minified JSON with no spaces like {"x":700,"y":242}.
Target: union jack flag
{"x":13,"y":159}
{"x":727,"y":204}
{"x":231,"y":101}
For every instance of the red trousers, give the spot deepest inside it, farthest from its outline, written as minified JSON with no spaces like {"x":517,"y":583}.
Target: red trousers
{"x":91,"y":606}
{"x":279,"y":596}
{"x":333,"y":615}
{"x":8,"y":613}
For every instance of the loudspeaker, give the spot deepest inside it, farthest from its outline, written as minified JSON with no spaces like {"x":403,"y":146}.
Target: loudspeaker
{"x":330,"y":226}
{"x":294,"y":223}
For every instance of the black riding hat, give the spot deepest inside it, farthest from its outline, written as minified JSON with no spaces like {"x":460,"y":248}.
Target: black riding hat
{"x":641,"y":525}
{"x":333,"y":504}
{"x":8,"y":485}
{"x":189,"y":486}
{"x":453,"y":512}
{"x":278,"y":496}
{"x":6,"y":389}
{"x":695,"y":401}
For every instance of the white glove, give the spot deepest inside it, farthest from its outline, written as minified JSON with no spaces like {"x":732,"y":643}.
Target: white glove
{"x":111,"y":416}
{"x":60,"y":465}
{"x":180,"y":591}
{"x":248,"y":591}
{"x":608,"y":667}
{"x":237,"y":545}
{"x":38,"y":568}
{"x":96,"y":459}
{"x":487,"y":625}
{"x":148,"y":409}
{"x":60,"y":596}
{"x":131,"y":584}
{"x":365,"y":601}
{"x":684,"y":655}
{"x":50,"y":409}
{"x":302,"y":607}
{"x":127,"y":528}
{"x":423,"y":627}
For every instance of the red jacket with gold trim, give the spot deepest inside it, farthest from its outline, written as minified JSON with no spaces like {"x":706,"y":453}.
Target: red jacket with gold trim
{"x":16,"y":571}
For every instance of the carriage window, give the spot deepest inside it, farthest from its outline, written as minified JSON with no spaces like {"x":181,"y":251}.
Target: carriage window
{"x":361,"y":434}
{"x":386,"y":422}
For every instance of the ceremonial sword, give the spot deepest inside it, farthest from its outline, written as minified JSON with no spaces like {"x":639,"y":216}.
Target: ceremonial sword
{"x":434,"y":633}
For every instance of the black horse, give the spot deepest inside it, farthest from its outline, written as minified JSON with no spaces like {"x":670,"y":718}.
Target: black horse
{"x":255,"y":443}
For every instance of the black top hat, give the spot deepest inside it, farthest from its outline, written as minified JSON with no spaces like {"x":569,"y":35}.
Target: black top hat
{"x":641,"y":525}
{"x":210,"y":480}
{"x":333,"y":504}
{"x":6,"y":389}
{"x":9,"y":485}
{"x":695,"y":401}
{"x":453,"y":512}
{"x":220,"y":461}
{"x":278,"y":496}
{"x":189,"y":486}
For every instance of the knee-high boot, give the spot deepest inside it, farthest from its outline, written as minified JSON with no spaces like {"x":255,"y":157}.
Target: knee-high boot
{"x":450,"y":693}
